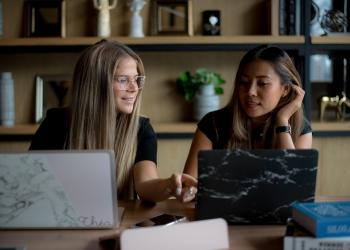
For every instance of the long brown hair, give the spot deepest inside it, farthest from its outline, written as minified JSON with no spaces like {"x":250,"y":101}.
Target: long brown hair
{"x":95,"y":122}
{"x":240,"y":124}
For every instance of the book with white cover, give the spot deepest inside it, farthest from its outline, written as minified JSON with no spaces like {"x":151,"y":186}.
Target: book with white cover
{"x":298,"y":238}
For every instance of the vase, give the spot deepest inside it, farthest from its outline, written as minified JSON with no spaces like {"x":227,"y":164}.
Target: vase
{"x":136,"y":22}
{"x":205,"y":101}
{"x":103,"y":18}
{"x":7,"y":99}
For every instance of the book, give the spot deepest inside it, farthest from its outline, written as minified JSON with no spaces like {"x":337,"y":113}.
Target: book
{"x":282,"y":19}
{"x":298,"y":238}
{"x":298,"y":17}
{"x":291,"y":17}
{"x":323,"y":219}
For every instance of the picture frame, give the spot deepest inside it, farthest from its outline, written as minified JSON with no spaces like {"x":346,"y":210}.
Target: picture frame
{"x":211,"y":22}
{"x":45,"y":18}
{"x":172,"y":17}
{"x":51,"y":91}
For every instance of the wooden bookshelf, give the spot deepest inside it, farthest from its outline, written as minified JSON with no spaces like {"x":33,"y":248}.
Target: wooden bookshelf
{"x":331,"y":126}
{"x":174,"y":127}
{"x":20,"y":129}
{"x":149,"y":40}
{"x":331,"y":40}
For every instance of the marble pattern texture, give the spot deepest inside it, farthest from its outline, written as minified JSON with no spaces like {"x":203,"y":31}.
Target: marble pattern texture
{"x":31,"y":196}
{"x":254,"y":187}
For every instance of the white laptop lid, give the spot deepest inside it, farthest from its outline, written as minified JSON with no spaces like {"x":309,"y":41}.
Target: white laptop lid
{"x":204,"y":235}
{"x":58,"y":189}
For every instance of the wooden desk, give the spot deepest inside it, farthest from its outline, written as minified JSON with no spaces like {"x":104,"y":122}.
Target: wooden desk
{"x":241,"y":237}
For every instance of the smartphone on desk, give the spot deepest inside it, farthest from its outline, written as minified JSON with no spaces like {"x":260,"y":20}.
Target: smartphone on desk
{"x":163,"y":219}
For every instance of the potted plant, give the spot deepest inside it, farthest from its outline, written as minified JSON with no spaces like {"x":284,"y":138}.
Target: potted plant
{"x":203,"y":87}
{"x":188,"y":85}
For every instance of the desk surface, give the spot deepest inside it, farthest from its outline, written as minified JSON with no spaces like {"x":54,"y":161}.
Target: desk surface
{"x":241,"y":237}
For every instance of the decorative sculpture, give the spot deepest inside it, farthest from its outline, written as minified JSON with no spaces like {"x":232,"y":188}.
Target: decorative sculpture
{"x":103,"y":19}
{"x":343,"y":103}
{"x":334,"y":21}
{"x":136,"y":23}
{"x":335,"y":103}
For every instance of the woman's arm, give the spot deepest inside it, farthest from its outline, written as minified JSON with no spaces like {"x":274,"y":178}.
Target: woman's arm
{"x":284,"y":141}
{"x":152,"y":188}
{"x":199,"y":142}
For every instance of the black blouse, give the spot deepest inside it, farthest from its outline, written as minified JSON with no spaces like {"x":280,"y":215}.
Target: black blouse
{"x":53,"y":132}
{"x":215,"y":126}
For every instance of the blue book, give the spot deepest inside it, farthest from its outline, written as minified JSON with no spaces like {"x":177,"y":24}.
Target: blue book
{"x":323,"y":219}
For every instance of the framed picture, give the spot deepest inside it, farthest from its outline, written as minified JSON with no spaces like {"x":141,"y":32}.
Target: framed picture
{"x":172,"y":17}
{"x":51,"y":91}
{"x":45,"y":18}
{"x":211,"y":23}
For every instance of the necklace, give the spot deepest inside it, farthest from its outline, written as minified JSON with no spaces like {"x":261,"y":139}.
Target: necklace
{"x":257,"y":133}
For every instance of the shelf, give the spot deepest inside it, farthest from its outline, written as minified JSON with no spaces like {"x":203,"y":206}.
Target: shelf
{"x":331,"y":126}
{"x":331,"y":40}
{"x":71,"y":41}
{"x":22,"y":129}
{"x":330,"y":43}
{"x":154,"y":43}
{"x":187,"y":129}
{"x":29,"y":129}
{"x":178,"y":127}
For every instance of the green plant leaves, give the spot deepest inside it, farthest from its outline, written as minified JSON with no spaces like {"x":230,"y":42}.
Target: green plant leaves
{"x":188,"y":84}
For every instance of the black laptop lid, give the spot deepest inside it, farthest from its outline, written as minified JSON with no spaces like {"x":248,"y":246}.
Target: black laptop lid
{"x":254,"y":186}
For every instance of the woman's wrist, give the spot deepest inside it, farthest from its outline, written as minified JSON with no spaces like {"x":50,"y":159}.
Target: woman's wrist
{"x":283,"y":129}
{"x":281,"y":122}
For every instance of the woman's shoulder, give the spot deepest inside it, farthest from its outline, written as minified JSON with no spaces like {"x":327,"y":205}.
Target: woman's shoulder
{"x":146,"y":131}
{"x":145,"y":125}
{"x":144,"y":121}
{"x":57,"y":113}
{"x":217,"y":116}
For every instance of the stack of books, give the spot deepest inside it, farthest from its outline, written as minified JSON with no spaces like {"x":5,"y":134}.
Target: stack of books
{"x":318,"y":226}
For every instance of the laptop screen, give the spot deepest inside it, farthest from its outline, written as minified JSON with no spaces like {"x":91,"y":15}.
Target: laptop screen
{"x":254,"y":186}
{"x":58,"y":189}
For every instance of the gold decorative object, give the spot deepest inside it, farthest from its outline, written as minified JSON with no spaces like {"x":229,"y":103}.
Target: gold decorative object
{"x":335,"y":103}
{"x":343,"y":103}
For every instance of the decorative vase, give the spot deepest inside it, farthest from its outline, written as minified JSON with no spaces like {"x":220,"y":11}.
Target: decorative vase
{"x":103,"y":19}
{"x":7,"y":99}
{"x":136,"y":23}
{"x":205,"y":101}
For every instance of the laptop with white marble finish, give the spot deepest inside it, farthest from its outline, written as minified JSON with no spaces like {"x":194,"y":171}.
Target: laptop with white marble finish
{"x":58,"y":189}
{"x":254,"y":186}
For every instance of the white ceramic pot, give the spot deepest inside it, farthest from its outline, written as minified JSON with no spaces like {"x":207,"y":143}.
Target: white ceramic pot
{"x":205,"y":101}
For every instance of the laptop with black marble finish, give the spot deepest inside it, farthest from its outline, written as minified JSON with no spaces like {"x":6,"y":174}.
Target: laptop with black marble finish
{"x":254,"y":186}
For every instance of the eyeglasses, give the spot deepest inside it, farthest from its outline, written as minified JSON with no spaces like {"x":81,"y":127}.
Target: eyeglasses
{"x":123,"y":81}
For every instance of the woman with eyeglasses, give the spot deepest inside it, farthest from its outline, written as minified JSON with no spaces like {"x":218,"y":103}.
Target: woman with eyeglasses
{"x":104,"y":113}
{"x":265,"y":110}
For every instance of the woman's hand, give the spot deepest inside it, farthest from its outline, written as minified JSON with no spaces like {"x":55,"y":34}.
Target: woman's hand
{"x":183,"y":187}
{"x":284,"y":114}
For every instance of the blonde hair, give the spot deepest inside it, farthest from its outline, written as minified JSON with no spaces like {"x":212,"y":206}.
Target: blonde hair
{"x":95,"y":122}
{"x":240,"y":124}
